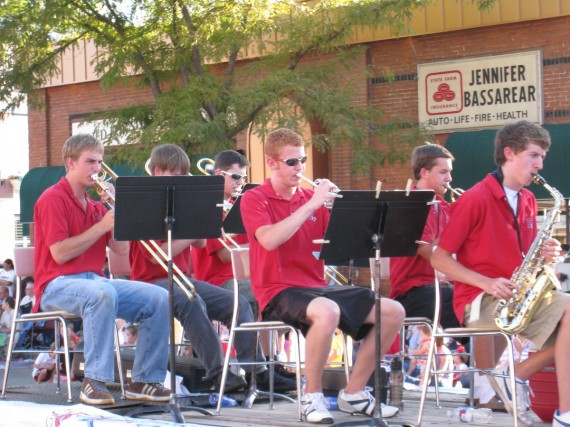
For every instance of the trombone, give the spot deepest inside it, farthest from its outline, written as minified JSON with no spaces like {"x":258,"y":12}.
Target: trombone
{"x":205,"y":165}
{"x":206,"y":169}
{"x":151,"y":246}
{"x":455,"y":192}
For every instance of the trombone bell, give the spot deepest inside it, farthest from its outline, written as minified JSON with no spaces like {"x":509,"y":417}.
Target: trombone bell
{"x":205,"y":166}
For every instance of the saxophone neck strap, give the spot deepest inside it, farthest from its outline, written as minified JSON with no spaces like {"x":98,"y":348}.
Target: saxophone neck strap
{"x":498,"y":175}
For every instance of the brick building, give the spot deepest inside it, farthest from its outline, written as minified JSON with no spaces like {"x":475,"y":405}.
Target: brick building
{"x":444,"y":31}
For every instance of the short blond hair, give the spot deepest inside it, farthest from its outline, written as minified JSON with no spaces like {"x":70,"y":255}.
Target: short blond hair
{"x":280,"y":138}
{"x":77,"y":144}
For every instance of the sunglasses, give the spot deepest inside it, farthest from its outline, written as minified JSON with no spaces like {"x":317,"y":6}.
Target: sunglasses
{"x":235,"y":176}
{"x":294,"y":161}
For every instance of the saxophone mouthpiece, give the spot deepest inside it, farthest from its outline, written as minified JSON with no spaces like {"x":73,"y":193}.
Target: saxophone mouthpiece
{"x":537,"y":179}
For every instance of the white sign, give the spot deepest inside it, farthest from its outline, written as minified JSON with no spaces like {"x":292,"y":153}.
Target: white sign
{"x":100,"y":129}
{"x":480,"y":92}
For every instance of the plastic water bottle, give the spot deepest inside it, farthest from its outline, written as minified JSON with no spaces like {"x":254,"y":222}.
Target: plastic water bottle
{"x":396,"y":383}
{"x":226,"y":401}
{"x":332,"y":401}
{"x":465,"y":414}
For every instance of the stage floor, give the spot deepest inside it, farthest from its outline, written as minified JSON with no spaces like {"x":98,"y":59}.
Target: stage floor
{"x":21,"y":388}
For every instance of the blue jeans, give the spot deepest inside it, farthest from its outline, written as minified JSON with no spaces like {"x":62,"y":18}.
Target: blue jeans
{"x":214,"y":303}
{"x":24,"y":331}
{"x":99,"y":301}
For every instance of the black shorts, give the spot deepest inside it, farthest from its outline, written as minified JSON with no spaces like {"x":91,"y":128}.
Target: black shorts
{"x":420,"y":302}
{"x":355,"y":302}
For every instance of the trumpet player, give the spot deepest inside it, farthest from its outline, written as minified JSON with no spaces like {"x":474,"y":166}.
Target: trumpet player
{"x":491,"y":228}
{"x":282,"y":219}
{"x":212,"y":264}
{"x":211,"y":302}
{"x":71,"y":234}
{"x":412,"y":278}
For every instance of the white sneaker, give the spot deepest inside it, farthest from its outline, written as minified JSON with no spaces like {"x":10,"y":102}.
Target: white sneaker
{"x":389,"y":411}
{"x":561,"y":420}
{"x":361,"y":402}
{"x":499,"y":380}
{"x":315,"y":409}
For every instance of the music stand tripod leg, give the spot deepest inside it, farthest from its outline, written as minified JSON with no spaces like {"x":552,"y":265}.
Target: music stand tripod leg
{"x":377,"y":419}
{"x":173,"y":407}
{"x":253,"y":392}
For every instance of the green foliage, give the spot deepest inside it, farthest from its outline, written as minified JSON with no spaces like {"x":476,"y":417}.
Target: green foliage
{"x":214,"y":67}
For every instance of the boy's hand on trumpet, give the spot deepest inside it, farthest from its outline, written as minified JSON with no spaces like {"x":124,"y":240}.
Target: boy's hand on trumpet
{"x":327,"y":191}
{"x":324,"y":193}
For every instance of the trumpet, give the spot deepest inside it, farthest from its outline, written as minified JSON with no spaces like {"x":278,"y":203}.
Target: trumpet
{"x":455,"y":192}
{"x":151,"y":246}
{"x":314,"y":184}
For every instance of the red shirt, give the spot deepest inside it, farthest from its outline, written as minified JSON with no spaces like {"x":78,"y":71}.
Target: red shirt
{"x":482,"y":232}
{"x":208,"y":267}
{"x":409,"y":272}
{"x":144,"y":270}
{"x":292,"y":264}
{"x":58,"y":215}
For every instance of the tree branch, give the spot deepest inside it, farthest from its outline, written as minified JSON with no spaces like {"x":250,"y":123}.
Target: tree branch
{"x":298,"y":56}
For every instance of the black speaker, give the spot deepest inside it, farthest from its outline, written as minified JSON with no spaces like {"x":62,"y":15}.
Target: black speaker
{"x":189,"y":368}
{"x":334,"y":379}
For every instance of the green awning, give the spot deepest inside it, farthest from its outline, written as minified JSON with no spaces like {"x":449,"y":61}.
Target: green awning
{"x":38,"y":179}
{"x":33,"y":185}
{"x":473,"y":152}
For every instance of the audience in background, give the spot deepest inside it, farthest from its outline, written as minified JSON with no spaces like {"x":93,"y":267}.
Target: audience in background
{"x":44,"y":366}
{"x":8,"y":275}
{"x":131,"y":333}
{"x":26,"y":305}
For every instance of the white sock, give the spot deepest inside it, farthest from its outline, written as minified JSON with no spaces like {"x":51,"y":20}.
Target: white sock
{"x":349,"y":395}
{"x":308,"y":396}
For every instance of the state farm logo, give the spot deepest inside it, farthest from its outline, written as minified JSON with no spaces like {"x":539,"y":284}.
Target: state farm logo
{"x":444,"y":92}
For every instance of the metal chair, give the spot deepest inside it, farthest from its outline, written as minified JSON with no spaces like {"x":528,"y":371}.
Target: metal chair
{"x":437,"y":332}
{"x":24,"y":266}
{"x":119,"y":265}
{"x":240,"y":267}
{"x":408,"y":321}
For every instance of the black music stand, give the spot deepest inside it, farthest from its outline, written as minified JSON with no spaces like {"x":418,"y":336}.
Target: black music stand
{"x":362,"y":225}
{"x":167,"y":208}
{"x":233,"y":223}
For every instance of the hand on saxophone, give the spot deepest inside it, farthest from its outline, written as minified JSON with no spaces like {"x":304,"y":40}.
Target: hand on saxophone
{"x":501,"y":288}
{"x":551,"y":250}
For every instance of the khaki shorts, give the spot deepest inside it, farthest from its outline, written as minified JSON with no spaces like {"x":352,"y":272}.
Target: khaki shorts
{"x":543,"y":326}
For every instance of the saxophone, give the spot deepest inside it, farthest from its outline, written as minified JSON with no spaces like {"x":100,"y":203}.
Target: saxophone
{"x":534,"y":277}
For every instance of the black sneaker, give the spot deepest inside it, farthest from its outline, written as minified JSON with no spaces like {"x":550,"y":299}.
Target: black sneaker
{"x":153,"y":392}
{"x":233,"y":382}
{"x":284,"y":372}
{"x":95,"y":392}
{"x":280,"y":383}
